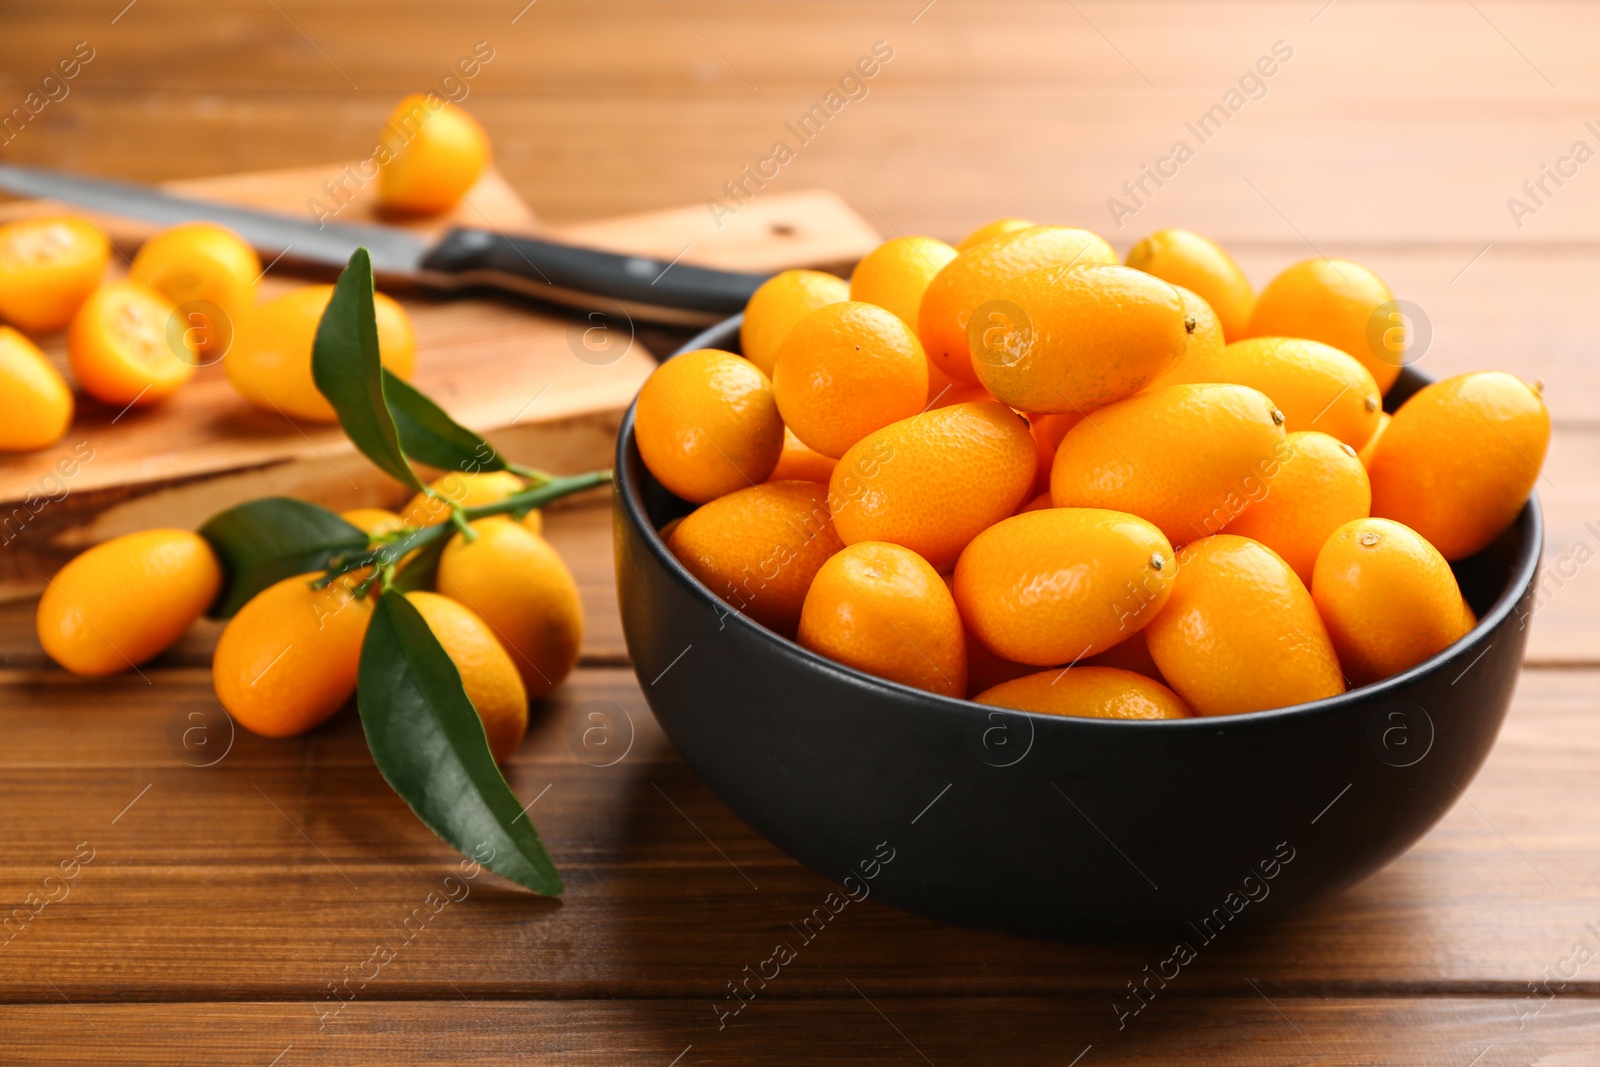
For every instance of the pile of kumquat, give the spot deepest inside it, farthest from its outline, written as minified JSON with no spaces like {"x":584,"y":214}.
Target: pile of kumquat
{"x":1018,"y":471}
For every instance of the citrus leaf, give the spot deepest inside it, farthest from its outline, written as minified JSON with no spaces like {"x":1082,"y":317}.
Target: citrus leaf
{"x":421,"y":571}
{"x":347,"y":370}
{"x":430,"y":436}
{"x":265,"y":541}
{"x":431,"y":748}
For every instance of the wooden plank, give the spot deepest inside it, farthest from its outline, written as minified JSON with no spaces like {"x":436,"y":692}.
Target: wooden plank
{"x":258,"y":875}
{"x":1450,"y":53}
{"x":847,"y":1027}
{"x":1063,"y":153}
{"x":808,"y":227}
{"x":1425,"y":116}
{"x":1566,"y":623}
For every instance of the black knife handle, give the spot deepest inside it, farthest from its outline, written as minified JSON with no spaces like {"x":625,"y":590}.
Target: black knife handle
{"x":652,"y":288}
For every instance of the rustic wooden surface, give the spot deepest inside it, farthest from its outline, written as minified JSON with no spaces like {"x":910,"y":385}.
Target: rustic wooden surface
{"x":221,"y":905}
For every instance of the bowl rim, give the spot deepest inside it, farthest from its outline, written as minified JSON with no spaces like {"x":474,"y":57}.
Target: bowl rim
{"x":1524,"y":570}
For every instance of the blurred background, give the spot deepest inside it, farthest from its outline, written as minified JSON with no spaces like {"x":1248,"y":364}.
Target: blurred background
{"x":1393,"y":133}
{"x":1393,"y":123}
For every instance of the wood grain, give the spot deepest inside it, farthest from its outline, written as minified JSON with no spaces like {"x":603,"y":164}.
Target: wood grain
{"x":1420,"y":117}
{"x":669,"y":893}
{"x":845,"y":1027}
{"x":207,"y":927}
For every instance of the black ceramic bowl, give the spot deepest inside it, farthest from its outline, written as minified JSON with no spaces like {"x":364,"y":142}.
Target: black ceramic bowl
{"x":1054,"y":826}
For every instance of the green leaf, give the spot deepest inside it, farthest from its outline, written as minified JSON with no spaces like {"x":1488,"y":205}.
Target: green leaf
{"x":267,"y":540}
{"x":430,"y":436}
{"x":430,"y":746}
{"x":347,"y":370}
{"x":420,"y":572}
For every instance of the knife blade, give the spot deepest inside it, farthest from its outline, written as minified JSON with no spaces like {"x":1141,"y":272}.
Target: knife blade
{"x":650,"y":289}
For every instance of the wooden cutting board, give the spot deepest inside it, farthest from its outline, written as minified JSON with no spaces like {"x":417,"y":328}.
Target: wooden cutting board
{"x":545,"y":385}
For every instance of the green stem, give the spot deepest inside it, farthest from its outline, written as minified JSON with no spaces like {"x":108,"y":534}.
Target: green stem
{"x":405,"y":543}
{"x":532,"y":474}
{"x":539,"y":496}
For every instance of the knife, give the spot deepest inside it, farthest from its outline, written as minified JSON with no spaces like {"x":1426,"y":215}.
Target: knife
{"x":651,"y":289}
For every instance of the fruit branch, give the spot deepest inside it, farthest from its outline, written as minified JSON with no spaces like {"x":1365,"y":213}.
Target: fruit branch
{"x":404,"y":542}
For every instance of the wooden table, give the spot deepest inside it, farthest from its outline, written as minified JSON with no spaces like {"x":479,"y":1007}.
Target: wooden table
{"x":228,"y":910}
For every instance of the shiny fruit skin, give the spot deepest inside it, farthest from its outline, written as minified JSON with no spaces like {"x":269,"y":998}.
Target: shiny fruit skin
{"x":1388,"y":598}
{"x":463,"y":489}
{"x":1370,"y":449}
{"x":846,"y":370}
{"x":1206,"y":340}
{"x":1053,"y":586}
{"x":35,"y":401}
{"x":797,"y":463}
{"x":288,"y":659}
{"x":759,"y":548}
{"x":881,"y":609}
{"x":1332,"y":301}
{"x":523,"y":590}
{"x":201,"y":261}
{"x":48,"y":268}
{"x":1088,"y":692}
{"x":1316,"y":386}
{"x":707,"y":423}
{"x":1069,"y":339}
{"x":1459,"y":459}
{"x":778,"y":304}
{"x":972,"y":277}
{"x":1188,"y":458}
{"x":990,"y":230}
{"x":896,"y":274}
{"x":1240,"y":632}
{"x":126,"y":600}
{"x":491,"y":682}
{"x":270,"y":362}
{"x":433,"y":153}
{"x":122,"y":349}
{"x":1183,"y":257}
{"x":934,"y":481}
{"x":1320,"y":486}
